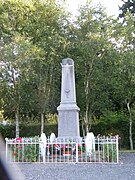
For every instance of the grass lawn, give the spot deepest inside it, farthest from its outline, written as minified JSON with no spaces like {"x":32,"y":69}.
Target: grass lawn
{"x":127,"y":151}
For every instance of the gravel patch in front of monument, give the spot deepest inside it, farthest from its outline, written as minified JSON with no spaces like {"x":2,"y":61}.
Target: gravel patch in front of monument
{"x":125,"y":170}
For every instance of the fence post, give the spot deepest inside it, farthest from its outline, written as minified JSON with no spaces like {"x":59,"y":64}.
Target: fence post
{"x":44,"y":151}
{"x":76,"y":152}
{"x":117,"y":148}
{"x":6,"y":149}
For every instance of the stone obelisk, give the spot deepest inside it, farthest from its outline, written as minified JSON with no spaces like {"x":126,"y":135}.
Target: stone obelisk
{"x":68,"y":111}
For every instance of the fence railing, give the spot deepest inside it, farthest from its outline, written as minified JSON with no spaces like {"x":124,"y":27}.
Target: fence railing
{"x":25,"y":150}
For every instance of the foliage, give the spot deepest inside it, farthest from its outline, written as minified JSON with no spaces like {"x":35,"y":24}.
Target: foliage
{"x":95,"y":60}
{"x":25,"y":152}
{"x":52,"y":118}
{"x":36,"y":35}
{"x":27,"y":130}
{"x":110,"y":154}
{"x":7,"y":131}
{"x":128,"y":6}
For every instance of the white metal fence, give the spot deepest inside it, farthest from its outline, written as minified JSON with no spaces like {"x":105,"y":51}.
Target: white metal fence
{"x":25,"y":150}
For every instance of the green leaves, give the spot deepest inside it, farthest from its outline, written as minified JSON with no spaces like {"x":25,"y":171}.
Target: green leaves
{"x":36,"y":35}
{"x":128,"y":6}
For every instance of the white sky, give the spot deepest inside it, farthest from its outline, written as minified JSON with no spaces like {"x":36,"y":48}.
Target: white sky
{"x":111,"y":5}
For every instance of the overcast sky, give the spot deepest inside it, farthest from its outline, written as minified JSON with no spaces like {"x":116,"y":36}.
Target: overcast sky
{"x":111,"y":5}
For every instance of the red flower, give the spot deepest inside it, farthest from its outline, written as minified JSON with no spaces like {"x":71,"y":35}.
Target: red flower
{"x":18,"y":139}
{"x":20,"y":147}
{"x":15,"y":153}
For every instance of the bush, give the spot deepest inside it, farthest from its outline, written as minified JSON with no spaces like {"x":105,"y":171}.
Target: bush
{"x":7,"y":131}
{"x":110,"y":153}
{"x":29,"y":130}
{"x":119,"y":125}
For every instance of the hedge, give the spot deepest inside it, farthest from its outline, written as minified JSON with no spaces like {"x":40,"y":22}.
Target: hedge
{"x":31,"y":130}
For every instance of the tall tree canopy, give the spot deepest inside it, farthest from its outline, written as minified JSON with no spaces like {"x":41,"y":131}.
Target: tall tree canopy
{"x":31,"y":37}
{"x":128,"y":6}
{"x":36,"y":35}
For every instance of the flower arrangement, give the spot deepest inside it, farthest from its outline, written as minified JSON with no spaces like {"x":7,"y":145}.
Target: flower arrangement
{"x":64,"y":149}
{"x":59,"y":149}
{"x":67,"y":149}
{"x":81,"y":149}
{"x":24,"y":152}
{"x":54,"y":149}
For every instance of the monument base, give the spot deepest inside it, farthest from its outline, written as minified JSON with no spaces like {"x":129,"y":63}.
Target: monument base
{"x":68,"y":123}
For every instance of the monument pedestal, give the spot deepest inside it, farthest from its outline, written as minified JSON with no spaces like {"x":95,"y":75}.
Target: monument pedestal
{"x":68,"y":121}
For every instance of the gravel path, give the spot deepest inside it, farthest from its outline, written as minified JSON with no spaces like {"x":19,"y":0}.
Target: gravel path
{"x":125,"y":170}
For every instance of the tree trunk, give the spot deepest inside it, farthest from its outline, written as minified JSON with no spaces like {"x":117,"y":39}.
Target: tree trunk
{"x":86,"y":119}
{"x":89,"y":69}
{"x":130,"y":126}
{"x":17,"y":122}
{"x":83,"y":128}
{"x":42,"y":123}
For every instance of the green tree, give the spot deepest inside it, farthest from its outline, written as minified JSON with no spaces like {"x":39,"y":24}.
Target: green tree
{"x":15,"y":65}
{"x":40,"y":22}
{"x":94,"y":55}
{"x":128,"y":6}
{"x":125,"y":88}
